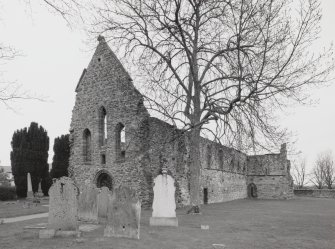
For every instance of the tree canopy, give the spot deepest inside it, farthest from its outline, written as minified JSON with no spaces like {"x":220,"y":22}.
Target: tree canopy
{"x":61,"y":157}
{"x":29,"y":154}
{"x":220,"y":67}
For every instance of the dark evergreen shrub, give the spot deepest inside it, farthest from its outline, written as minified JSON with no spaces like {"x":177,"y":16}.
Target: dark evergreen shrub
{"x":7,"y":193}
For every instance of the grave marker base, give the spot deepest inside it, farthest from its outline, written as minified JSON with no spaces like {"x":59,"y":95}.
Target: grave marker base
{"x":164,"y":221}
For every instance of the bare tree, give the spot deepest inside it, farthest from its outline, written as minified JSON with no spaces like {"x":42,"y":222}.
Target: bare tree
{"x":317,"y":175}
{"x":12,"y":91}
{"x":69,"y":10}
{"x":9,"y":91}
{"x":326,"y":159}
{"x":219,"y":66}
{"x":299,"y":173}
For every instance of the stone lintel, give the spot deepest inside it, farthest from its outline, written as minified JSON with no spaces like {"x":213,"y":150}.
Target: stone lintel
{"x":164,"y":221}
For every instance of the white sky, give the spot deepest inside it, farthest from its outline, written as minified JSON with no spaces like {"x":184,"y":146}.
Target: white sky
{"x":54,"y":57}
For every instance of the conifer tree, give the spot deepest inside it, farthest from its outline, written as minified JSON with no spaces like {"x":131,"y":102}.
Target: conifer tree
{"x":18,"y":158}
{"x":29,"y":154}
{"x":61,"y":157}
{"x":37,"y":163}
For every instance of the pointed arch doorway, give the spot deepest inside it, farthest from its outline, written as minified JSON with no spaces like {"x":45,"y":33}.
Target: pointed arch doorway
{"x":104,"y":179}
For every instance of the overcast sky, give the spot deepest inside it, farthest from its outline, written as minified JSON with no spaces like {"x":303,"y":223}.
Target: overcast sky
{"x":53,"y":57}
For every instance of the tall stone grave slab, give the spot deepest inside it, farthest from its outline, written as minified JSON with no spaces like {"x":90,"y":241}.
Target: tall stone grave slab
{"x":29,"y":186}
{"x":87,"y":203}
{"x":63,"y":206}
{"x":124,"y":214}
{"x":103,"y":202}
{"x":164,"y":204}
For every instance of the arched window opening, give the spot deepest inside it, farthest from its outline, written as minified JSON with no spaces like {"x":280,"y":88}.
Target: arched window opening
{"x":244,"y":167}
{"x":232,"y":165}
{"x":140,"y":106}
{"x":120,"y":141}
{"x":209,"y":156}
{"x":123,"y":135}
{"x":87,"y":145}
{"x":221,"y":159}
{"x":102,"y":126}
{"x":103,"y":159}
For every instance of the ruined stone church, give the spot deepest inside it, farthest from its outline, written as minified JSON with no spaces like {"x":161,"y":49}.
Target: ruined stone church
{"x":115,"y":141}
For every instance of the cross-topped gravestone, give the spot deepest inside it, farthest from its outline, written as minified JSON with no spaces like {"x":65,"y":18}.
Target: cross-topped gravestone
{"x":164,"y":204}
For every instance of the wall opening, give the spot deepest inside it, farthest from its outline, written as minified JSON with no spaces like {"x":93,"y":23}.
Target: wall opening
{"x":104,"y":179}
{"x":102,"y":126}
{"x":205,"y":195}
{"x":221,"y":159}
{"x":87,"y":146}
{"x":120,"y":141}
{"x":103,"y":159}
{"x":209,"y":156}
{"x":252,"y":190}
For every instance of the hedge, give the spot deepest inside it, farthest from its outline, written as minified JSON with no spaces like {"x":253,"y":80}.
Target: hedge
{"x":7,"y":193}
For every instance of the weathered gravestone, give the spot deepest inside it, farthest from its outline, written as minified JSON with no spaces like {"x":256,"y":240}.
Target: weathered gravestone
{"x":63,"y":207}
{"x":164,"y":204}
{"x":87,"y":203}
{"x":103,"y":201}
{"x":124,"y":213}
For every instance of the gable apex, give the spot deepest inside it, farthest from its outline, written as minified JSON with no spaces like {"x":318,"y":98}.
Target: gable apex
{"x":103,"y":53}
{"x":106,"y":65}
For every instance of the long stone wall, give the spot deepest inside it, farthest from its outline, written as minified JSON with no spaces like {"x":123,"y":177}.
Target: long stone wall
{"x":272,"y":187}
{"x":222,"y":186}
{"x":318,"y":193}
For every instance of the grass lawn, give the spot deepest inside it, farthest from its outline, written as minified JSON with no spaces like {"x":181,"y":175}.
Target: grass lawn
{"x":302,"y":223}
{"x":18,"y":208}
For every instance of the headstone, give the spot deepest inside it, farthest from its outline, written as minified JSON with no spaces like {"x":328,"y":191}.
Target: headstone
{"x":29,"y":186}
{"x":63,"y":207}
{"x":124,"y":213}
{"x":87,"y":203}
{"x":164,"y":204}
{"x":103,"y":201}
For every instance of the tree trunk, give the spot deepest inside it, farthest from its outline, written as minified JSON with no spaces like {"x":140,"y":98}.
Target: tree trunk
{"x":195,"y":170}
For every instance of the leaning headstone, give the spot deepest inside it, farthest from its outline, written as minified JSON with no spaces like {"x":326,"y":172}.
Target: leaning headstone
{"x":164,"y":204}
{"x":103,"y":201}
{"x":124,"y":213}
{"x":63,"y":207}
{"x":87,"y":203}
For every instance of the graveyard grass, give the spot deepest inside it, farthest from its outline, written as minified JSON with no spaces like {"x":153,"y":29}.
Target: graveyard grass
{"x":18,"y":208}
{"x":304,"y":223}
